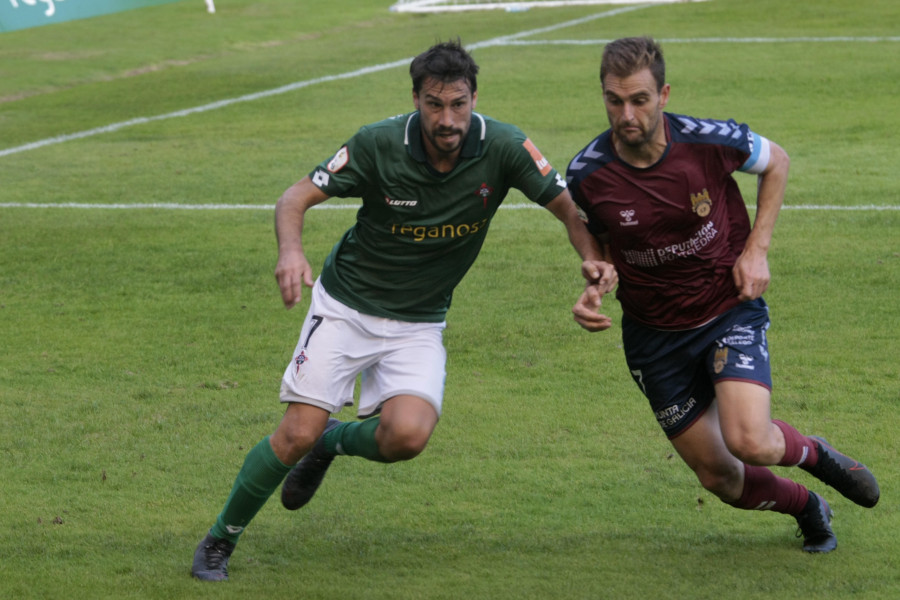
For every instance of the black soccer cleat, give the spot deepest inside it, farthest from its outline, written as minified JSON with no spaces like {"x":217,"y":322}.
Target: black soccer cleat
{"x":301,"y":483}
{"x":814,"y":525}
{"x":211,"y":559}
{"x":849,"y":477}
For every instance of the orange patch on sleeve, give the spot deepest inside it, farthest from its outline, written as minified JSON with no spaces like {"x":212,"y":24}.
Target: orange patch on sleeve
{"x":542,"y":163}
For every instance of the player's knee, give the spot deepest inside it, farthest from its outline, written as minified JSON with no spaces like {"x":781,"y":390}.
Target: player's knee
{"x":290,"y":444}
{"x":402,"y":443}
{"x":752,"y":450}
{"x":725,"y":483}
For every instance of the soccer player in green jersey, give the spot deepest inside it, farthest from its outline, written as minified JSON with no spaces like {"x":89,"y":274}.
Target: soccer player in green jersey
{"x":430,"y":183}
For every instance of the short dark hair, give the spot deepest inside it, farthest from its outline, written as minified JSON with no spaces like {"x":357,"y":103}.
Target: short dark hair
{"x":445,"y":62}
{"x":626,"y":56}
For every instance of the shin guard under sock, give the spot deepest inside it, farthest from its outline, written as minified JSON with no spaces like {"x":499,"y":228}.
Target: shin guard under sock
{"x":763,"y":490}
{"x":260,"y":476}
{"x":356,"y":438}
{"x":799,"y":450}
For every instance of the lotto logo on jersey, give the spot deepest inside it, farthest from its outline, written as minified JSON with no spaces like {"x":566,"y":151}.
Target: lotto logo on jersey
{"x":340,"y":160}
{"x":542,"y":163}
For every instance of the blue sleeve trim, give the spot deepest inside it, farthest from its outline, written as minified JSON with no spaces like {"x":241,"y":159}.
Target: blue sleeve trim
{"x":759,"y":155}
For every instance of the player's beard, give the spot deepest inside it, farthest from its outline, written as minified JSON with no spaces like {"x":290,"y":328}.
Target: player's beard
{"x":632,"y":139}
{"x":642,"y":138}
{"x":440,"y":143}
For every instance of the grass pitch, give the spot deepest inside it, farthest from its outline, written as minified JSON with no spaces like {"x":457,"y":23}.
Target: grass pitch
{"x":143,"y":345}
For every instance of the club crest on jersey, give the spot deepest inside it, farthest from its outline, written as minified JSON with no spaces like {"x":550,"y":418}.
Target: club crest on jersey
{"x":628,"y":216}
{"x":484,"y":191}
{"x":700,"y":203}
{"x":339,"y":160}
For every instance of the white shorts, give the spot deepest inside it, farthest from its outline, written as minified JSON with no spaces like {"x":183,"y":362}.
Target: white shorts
{"x":338,"y":343}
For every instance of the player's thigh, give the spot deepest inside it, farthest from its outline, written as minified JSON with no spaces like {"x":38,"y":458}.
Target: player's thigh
{"x":412,"y":364}
{"x":746,"y":421}
{"x":300,"y":427}
{"x":334,"y":347}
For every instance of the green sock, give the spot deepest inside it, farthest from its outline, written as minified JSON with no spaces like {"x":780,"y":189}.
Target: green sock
{"x":260,"y":476}
{"x":356,"y":438}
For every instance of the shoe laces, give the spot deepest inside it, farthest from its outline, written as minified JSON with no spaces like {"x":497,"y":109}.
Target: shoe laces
{"x":831,"y":468}
{"x":812,"y":522}
{"x":217,"y":554}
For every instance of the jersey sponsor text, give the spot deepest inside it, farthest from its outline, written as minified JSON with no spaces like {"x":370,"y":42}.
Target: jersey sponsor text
{"x":655,"y":257}
{"x":675,"y":413}
{"x":420,"y":233}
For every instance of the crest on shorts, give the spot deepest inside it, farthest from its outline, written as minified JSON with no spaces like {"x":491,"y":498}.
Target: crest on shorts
{"x":299,"y":360}
{"x":720,"y":360}
{"x":700,"y":203}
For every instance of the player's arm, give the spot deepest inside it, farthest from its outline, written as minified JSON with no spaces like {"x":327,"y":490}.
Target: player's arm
{"x":751,"y":270}
{"x":293,"y":270}
{"x":596,"y":267}
{"x":564,"y":209}
{"x":587,"y":308}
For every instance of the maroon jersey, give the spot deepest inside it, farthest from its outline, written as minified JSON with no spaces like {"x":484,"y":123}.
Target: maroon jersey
{"x":676,"y":228}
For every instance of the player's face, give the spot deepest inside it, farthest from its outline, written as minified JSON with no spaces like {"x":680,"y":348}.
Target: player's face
{"x":446,"y":112}
{"x":635,"y":107}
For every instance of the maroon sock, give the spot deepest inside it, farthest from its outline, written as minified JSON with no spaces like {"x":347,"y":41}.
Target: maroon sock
{"x":763,"y":490}
{"x":799,"y":450}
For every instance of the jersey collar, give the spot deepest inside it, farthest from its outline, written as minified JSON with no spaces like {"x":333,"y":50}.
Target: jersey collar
{"x":471,"y":147}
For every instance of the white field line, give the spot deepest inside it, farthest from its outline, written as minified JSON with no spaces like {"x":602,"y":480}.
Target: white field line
{"x":429,"y":6}
{"x":291,"y":87}
{"x":711,"y":40}
{"x":271,"y":207}
{"x":201,"y":109}
{"x":508,"y":40}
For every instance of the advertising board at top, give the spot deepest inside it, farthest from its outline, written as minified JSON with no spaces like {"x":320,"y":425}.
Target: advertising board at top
{"x":22,"y":14}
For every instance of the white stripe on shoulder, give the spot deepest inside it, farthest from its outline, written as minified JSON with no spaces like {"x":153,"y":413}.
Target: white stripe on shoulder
{"x":406,"y":129}
{"x":483,"y":124}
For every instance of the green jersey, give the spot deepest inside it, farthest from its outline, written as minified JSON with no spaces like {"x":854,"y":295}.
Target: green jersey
{"x":418,"y":231}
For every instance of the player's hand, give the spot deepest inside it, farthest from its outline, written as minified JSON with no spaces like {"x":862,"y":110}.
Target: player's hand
{"x":292,"y":272}
{"x":601,"y":274}
{"x":751,"y":273}
{"x":586,"y":310}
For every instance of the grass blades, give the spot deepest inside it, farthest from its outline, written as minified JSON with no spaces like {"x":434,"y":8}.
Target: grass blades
{"x":142,"y":348}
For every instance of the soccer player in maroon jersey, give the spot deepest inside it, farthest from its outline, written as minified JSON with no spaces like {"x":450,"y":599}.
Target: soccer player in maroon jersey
{"x":658,"y":191}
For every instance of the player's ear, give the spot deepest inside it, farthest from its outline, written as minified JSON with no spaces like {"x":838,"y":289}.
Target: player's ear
{"x":416,"y":100}
{"x":664,"y":95}
{"x":474,"y":98}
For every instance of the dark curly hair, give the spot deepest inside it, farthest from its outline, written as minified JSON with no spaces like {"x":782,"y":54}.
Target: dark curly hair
{"x":445,"y":62}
